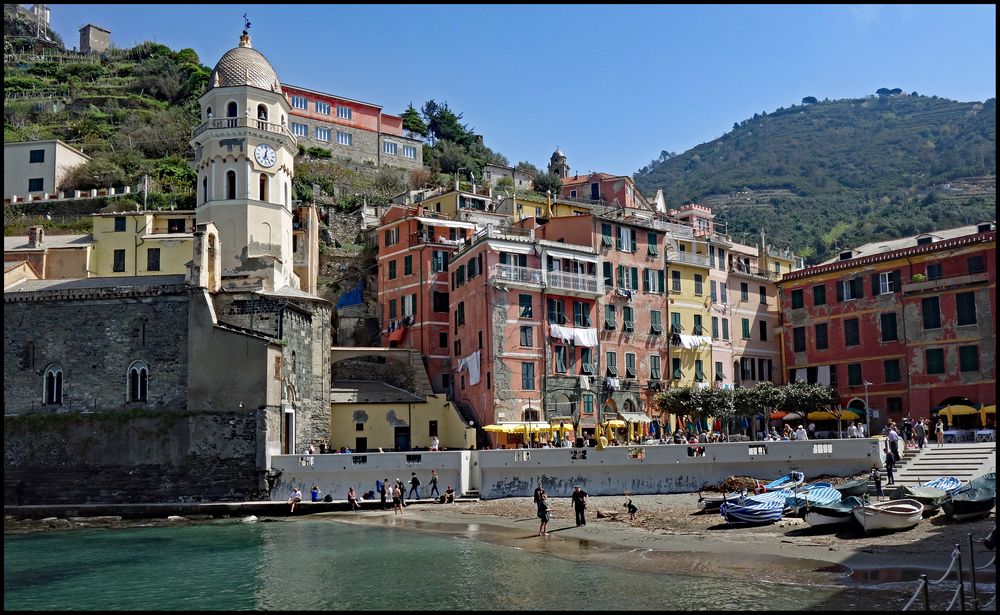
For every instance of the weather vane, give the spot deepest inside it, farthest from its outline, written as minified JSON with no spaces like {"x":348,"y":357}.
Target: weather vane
{"x":246,"y":23}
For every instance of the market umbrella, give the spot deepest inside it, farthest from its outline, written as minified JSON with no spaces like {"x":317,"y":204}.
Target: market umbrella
{"x":990,"y":409}
{"x":950,"y":412}
{"x":778,"y":414}
{"x":793,"y":416}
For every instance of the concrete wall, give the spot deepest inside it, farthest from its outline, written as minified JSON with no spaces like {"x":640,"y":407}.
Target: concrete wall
{"x":381,"y":419}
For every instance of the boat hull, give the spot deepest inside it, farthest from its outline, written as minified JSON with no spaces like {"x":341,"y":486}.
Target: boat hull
{"x":830,"y":514}
{"x":855,"y":488}
{"x":974,"y":503}
{"x":714,"y":501}
{"x":751,"y":512}
{"x":893,"y":515}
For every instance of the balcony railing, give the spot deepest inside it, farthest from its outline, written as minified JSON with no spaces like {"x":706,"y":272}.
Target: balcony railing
{"x":573,"y":281}
{"x":516,"y":274}
{"x":428,"y":237}
{"x":689,"y":258}
{"x":754,"y":271}
{"x":242,"y":122}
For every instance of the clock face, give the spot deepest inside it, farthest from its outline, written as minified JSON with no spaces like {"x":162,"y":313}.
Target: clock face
{"x":265,"y":155}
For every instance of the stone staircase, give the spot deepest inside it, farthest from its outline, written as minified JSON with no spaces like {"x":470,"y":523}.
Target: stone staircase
{"x":963,"y":460}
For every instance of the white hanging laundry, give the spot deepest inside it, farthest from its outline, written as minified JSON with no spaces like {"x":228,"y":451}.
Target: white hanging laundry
{"x":472,"y":363}
{"x":585,"y":337}
{"x":561,"y":333}
{"x":585,"y":383}
{"x":691,"y":341}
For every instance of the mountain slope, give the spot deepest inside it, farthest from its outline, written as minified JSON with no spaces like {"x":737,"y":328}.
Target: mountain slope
{"x":821,"y":176}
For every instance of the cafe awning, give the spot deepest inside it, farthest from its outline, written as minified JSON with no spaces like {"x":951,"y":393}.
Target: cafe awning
{"x":635,"y":417}
{"x":616,"y":424}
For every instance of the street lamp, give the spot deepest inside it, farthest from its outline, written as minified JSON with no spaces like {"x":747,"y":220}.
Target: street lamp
{"x":868,"y":411}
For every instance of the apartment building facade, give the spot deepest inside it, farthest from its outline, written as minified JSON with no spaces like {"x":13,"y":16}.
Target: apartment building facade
{"x":902,"y":327}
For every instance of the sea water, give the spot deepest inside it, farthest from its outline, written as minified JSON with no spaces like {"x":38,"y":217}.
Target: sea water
{"x":324,"y":564}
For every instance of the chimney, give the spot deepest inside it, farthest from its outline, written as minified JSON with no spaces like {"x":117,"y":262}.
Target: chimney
{"x":36,"y":236}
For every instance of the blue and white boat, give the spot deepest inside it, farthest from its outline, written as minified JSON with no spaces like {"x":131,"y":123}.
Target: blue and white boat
{"x":746,"y":510}
{"x":949,"y":484}
{"x":788,"y":481}
{"x":817,"y":494}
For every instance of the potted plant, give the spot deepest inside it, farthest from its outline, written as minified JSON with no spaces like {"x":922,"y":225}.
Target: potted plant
{"x":919,"y":277}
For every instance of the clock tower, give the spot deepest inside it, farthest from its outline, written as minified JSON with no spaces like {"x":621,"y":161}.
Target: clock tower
{"x":244,"y":158}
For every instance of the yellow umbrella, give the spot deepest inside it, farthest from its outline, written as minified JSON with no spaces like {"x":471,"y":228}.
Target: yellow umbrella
{"x":821,"y":415}
{"x":990,"y":409}
{"x":495,"y":428}
{"x":616,"y":423}
{"x":950,"y":412}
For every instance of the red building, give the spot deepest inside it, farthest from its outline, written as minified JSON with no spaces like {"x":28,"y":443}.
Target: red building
{"x":903,"y":327}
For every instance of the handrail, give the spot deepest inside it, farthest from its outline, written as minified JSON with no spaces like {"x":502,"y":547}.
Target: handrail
{"x":242,"y":122}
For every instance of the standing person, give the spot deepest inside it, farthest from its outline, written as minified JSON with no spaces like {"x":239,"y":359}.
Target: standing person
{"x":800,"y":434}
{"x":384,"y":488}
{"x":434,"y":483}
{"x":397,"y":499}
{"x":544,"y":515}
{"x":812,"y":431}
{"x":908,"y":433}
{"x":579,"y":499}
{"x":920,"y":431}
{"x":402,"y":490}
{"x":852,"y":430}
{"x":352,"y":497}
{"x":939,"y":432}
{"x":295,"y":498}
{"x":877,"y":478}
{"x":414,"y":486}
{"x":890,"y":463}
{"x":435,"y":443}
{"x":893,"y":438}
{"x":539,"y":492}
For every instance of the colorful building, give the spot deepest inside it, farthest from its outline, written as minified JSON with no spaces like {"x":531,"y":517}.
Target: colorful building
{"x":900,"y":327}
{"x":142,"y":243}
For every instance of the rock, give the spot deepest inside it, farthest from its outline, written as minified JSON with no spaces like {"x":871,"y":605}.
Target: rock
{"x":98,"y":519}
{"x":607,"y":514}
{"x":60,"y":523}
{"x":249,"y":519}
{"x":199,"y":517}
{"x":174,"y":518}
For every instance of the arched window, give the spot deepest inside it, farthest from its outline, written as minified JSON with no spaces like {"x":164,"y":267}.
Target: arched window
{"x":262,"y":112}
{"x":204,"y":190}
{"x":53,"y":385}
{"x":138,"y":381}
{"x":208,"y":113}
{"x":230,"y":184}
{"x":263,"y":187}
{"x":231,"y":109}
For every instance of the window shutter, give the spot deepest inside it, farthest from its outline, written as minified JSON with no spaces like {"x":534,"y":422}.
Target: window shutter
{"x":859,"y":287}
{"x":621,"y":276}
{"x":875,"y":286}
{"x":840,"y":291}
{"x":645,"y":280}
{"x":635,"y":278}
{"x":634,"y":244}
{"x":896,"y":282}
{"x":618,"y":240}
{"x":660,"y":281}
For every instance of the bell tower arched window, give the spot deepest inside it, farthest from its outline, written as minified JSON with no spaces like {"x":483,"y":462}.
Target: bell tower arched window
{"x":262,"y":112}
{"x":230,"y":185}
{"x":263,"y":187}
{"x":232,"y":110}
{"x":204,"y":190}
{"x":53,"y":385}
{"x":138,"y":382}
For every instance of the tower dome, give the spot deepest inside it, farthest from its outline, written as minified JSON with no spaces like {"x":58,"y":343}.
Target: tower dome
{"x":244,"y":65}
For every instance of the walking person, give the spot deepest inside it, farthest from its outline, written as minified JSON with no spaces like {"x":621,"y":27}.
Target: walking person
{"x":852,"y":430}
{"x":397,"y":499}
{"x":877,"y":478}
{"x":890,"y":463}
{"x":893,"y":438}
{"x":939,"y":432}
{"x":414,"y":486}
{"x":579,"y":499}
{"x":384,"y":488}
{"x":544,"y":515}
{"x":920,"y":431}
{"x":434,"y":483}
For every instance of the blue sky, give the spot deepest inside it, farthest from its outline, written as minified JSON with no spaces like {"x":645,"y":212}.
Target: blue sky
{"x":610,"y":85}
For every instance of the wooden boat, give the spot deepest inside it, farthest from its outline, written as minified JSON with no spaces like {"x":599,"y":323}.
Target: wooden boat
{"x":931,"y":497}
{"x":950,"y":484}
{"x":833,"y":513}
{"x":970,"y":503}
{"x":788,"y":481}
{"x":988,"y":480}
{"x":746,"y":510}
{"x":817,"y":493}
{"x":712,"y":501}
{"x":889,"y":516}
{"x":856,"y":488}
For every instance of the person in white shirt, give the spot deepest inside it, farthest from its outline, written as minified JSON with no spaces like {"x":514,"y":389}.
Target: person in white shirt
{"x":852,"y":430}
{"x":800,"y":433}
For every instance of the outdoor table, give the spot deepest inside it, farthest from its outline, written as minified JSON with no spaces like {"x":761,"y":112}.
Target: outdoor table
{"x":952,"y":435}
{"x":986,"y":435}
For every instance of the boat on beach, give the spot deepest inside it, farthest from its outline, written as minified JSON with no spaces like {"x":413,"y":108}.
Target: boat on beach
{"x":856,"y":488}
{"x":891,"y":515}
{"x":931,"y":497}
{"x":712,"y":501}
{"x":788,"y":481}
{"x":817,"y":494}
{"x":833,"y":513}
{"x":951,"y":484}
{"x":970,"y":503}
{"x":747,"y":510}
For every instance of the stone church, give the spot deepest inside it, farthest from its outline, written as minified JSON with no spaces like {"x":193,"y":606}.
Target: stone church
{"x":179,"y":387}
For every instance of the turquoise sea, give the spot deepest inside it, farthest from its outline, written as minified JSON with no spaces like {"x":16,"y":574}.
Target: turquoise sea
{"x":325,"y":564}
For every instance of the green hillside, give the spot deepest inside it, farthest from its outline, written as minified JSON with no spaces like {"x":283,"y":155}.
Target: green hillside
{"x":825,"y":175}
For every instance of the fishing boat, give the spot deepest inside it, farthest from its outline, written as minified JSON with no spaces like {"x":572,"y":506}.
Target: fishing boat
{"x":712,"y":501}
{"x":931,"y":497}
{"x":988,"y":480}
{"x":788,"y":481}
{"x":817,"y":493}
{"x":833,"y":513}
{"x":889,"y":516}
{"x":951,"y":484}
{"x":746,"y":510}
{"x":970,"y":503}
{"x":856,"y":488}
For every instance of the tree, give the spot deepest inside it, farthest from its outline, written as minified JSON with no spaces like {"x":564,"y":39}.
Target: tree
{"x":675,"y":401}
{"x":526,"y":167}
{"x":809,"y":100}
{"x":545,"y":182}
{"x":413,"y":122}
{"x":882,"y":92}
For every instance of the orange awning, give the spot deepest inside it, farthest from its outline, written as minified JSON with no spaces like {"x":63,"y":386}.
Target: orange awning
{"x":397,"y":335}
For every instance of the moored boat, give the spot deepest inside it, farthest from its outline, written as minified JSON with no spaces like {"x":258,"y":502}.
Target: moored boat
{"x":832,"y":513}
{"x":857,"y":488}
{"x":950,"y":484}
{"x":931,"y":497}
{"x":889,"y":516}
{"x":788,"y":481}
{"x":988,"y":480}
{"x":818,"y":493}
{"x":970,"y":503}
{"x":746,"y":510}
{"x":712,"y":501}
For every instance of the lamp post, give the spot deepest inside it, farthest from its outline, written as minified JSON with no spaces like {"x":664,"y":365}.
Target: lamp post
{"x":868,"y":411}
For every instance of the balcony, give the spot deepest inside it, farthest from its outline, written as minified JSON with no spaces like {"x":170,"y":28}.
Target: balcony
{"x":754,"y":272}
{"x":427,"y":237}
{"x":243,"y":122}
{"x":514,"y":274}
{"x":574,"y":283}
{"x":688,"y":258}
{"x":946,"y":282}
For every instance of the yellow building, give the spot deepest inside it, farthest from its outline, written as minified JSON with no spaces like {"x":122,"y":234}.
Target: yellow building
{"x":142,"y":243}
{"x":688,"y":266}
{"x":450,"y":203}
{"x":366,"y":415}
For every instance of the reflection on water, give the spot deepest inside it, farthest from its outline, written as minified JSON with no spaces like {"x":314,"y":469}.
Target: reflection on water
{"x":323,"y":564}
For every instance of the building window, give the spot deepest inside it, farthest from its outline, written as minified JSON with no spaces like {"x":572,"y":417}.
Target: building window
{"x":654,"y":367}
{"x":797,"y":300}
{"x":300,"y":130}
{"x":322,"y":134}
{"x":628,"y":318}
{"x":763,"y":330}
{"x":262,"y":191}
{"x":819,"y":295}
{"x":605,"y":236}
{"x":968,"y":358}
{"x":557,"y":312}
{"x":850,"y":289}
{"x":934,"y":271}
{"x":722,"y":293}
{"x":345,"y":138}
{"x":977,"y":264}
{"x":713,"y":291}
{"x":581,"y":314}
{"x":409,"y":151}
{"x":746,"y":328}
{"x":799,"y":339}
{"x":36,"y":155}
{"x":442,"y":339}
{"x":138,"y":382}
{"x":744,"y":291}
{"x":931,"y":310}
{"x":894,"y":405}
{"x":854,"y":374}
{"x":230,"y":185}
{"x":891,"y":367}
{"x":524,"y":305}
{"x":852,"y":334}
{"x":440,"y":301}
{"x":675,"y":281}
{"x":763,"y":295}
{"x":392,"y":309}
{"x":392,"y":237}
{"x":300,"y":102}
{"x":392,"y":269}
{"x":675,"y":323}
{"x":699,"y":373}
{"x":439,"y":261}
{"x":119,"y":264}
{"x":175,"y":225}
{"x":408,"y":265}
{"x":344,"y":113}
{"x":460,"y":314}
{"x":630,"y":365}
{"x":890,"y":332}
{"x":822,"y":337}
{"x":586,"y":361}
{"x":458,"y":347}
{"x":526,"y":340}
{"x":966,"y":305}
{"x":611,"y":364}
{"x":715,"y":327}
{"x":388,"y":147}
{"x":560,"y":359}
{"x":52,"y":392}
{"x":655,"y":322}
{"x":322,"y":107}
{"x":609,"y":318}
{"x":698,"y":288}
{"x":528,"y":376}
{"x":698,"y":328}
{"x":153,"y":259}
{"x":651,"y":244}
{"x":675,"y":369}
{"x":725,"y":328}
{"x":885,"y":286}
{"x":119,"y":224}
{"x":934,"y":360}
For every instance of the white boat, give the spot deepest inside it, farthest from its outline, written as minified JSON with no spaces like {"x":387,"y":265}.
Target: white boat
{"x":891,"y":515}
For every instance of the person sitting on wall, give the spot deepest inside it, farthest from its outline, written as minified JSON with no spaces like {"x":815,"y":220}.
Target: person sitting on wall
{"x":314,"y":494}
{"x":449,"y":495}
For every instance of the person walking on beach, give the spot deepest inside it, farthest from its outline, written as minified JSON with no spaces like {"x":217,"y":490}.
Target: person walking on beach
{"x":920,"y":431}
{"x":544,"y":515}
{"x":352,"y":497}
{"x":579,"y":498}
{"x":876,"y":477}
{"x":890,"y":463}
{"x":295,"y":498}
{"x":397,"y":500}
{"x":434,"y":483}
{"x":414,"y":486}
{"x":939,"y":432}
